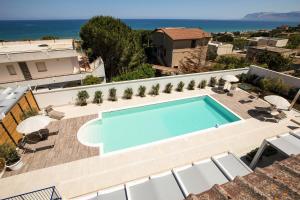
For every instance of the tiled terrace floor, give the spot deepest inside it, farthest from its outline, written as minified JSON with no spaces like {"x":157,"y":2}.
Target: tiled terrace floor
{"x":66,"y":148}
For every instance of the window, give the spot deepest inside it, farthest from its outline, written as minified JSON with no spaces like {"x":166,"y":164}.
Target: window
{"x":41,"y":66}
{"x":193,"y":45}
{"x":11,"y":70}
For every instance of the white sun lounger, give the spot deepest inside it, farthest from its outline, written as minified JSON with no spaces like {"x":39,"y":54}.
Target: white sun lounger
{"x":199,"y":177}
{"x":231,"y":166}
{"x":160,"y":187}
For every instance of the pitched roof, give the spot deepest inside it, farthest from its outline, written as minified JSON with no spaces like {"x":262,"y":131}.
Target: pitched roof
{"x":278,"y":181}
{"x":184,"y":33}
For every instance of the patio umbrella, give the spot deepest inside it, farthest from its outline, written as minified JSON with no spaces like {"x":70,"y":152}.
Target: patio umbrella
{"x":33,"y":124}
{"x":278,"y":101}
{"x":230,"y":78}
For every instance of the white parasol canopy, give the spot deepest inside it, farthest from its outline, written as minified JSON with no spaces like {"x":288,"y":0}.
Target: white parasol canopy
{"x":33,"y":124}
{"x":230,"y":78}
{"x":278,"y":101}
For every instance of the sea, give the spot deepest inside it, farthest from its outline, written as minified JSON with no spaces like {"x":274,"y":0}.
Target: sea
{"x":35,"y":29}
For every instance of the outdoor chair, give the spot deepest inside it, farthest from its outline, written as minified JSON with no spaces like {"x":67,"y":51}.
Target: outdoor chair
{"x":53,"y":113}
{"x":33,"y":143}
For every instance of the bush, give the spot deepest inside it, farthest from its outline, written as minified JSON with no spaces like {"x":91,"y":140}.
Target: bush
{"x":98,"y":97}
{"x":155,"y":90}
{"x":29,"y":113}
{"x":278,"y":86}
{"x":9,"y":153}
{"x":112,"y":94}
{"x":180,"y":86}
{"x":202,"y":84}
{"x":82,"y":96}
{"x":242,"y":77}
{"x":191,"y":85}
{"x":221,"y":82}
{"x":213,"y":81}
{"x":168,"y":88}
{"x":2,"y":164}
{"x":91,"y":80}
{"x":142,"y":91}
{"x":144,"y":71}
{"x":265,"y":84}
{"x":128,"y":93}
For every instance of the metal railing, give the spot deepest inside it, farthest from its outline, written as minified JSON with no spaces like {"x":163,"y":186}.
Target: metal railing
{"x":50,"y":193}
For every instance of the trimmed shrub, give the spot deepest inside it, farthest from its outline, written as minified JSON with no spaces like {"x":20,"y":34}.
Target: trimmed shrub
{"x":168,"y":88}
{"x":191,"y":85}
{"x":112,"y":94}
{"x":91,"y":80}
{"x":180,"y":86}
{"x":265,"y":84}
{"x":82,"y":96}
{"x":213,"y":81}
{"x":128,"y":93}
{"x":98,"y":97}
{"x":221,"y":82}
{"x":155,"y":90}
{"x":202,"y":84}
{"x":142,"y":91}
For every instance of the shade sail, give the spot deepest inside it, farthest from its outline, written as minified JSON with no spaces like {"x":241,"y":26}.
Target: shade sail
{"x":33,"y":124}
{"x":230,"y":78}
{"x":278,"y":101}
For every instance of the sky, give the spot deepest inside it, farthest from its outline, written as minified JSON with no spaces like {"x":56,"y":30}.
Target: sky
{"x":141,"y":9}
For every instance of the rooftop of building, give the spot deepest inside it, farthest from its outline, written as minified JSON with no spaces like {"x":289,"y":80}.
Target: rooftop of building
{"x":278,"y":181}
{"x":273,"y":49}
{"x":9,"y":97}
{"x":184,"y":33}
{"x":35,"y":46}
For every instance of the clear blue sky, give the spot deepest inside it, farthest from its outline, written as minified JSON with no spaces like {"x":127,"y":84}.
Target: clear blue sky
{"x":179,"y":9}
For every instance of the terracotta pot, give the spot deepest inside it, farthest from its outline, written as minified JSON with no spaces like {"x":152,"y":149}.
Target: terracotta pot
{"x":15,"y":166}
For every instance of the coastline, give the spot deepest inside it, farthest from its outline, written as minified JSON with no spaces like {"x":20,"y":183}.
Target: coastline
{"x":69,"y":28}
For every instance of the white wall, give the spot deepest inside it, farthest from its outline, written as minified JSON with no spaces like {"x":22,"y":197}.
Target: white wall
{"x":292,"y":81}
{"x":6,"y":77}
{"x":68,"y":95}
{"x":55,"y":67}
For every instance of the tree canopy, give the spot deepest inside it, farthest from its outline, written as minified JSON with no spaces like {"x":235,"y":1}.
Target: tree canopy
{"x":273,"y":61}
{"x":117,"y":44}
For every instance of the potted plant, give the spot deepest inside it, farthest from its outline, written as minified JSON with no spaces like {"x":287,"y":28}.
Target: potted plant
{"x":11,"y":156}
{"x":168,"y":88}
{"x":112,"y":94}
{"x":142,"y":91}
{"x":191,"y":85}
{"x":155,"y":90}
{"x":213,"y":81}
{"x":180,"y":86}
{"x":2,"y":166}
{"x":202,"y":84}
{"x":98,"y":97}
{"x":128,"y":93}
{"x":82,"y":96}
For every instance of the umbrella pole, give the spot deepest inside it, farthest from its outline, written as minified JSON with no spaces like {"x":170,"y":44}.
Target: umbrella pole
{"x":295,"y":100}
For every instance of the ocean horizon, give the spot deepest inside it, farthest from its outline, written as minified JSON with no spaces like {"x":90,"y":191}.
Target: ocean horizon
{"x":69,"y":28}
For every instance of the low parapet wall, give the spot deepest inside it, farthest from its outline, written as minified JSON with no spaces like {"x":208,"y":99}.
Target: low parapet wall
{"x":66,"y":96}
{"x":292,"y":81}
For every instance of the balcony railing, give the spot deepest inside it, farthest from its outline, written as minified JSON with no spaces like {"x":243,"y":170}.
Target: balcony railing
{"x":50,"y":193}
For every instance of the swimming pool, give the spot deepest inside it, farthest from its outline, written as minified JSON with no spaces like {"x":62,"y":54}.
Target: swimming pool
{"x":136,"y":126}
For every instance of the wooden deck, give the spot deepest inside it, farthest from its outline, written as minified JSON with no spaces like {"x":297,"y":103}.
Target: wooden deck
{"x":66,"y":149}
{"x":240,"y":103}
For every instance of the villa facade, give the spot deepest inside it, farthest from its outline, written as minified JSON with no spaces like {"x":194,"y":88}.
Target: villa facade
{"x":38,"y":63}
{"x":175,"y":45}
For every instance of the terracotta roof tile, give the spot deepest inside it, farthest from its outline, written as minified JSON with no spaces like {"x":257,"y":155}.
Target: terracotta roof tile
{"x":184,"y":33}
{"x":278,"y":181}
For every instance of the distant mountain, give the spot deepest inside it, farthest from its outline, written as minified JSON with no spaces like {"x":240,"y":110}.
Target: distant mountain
{"x":272,"y":16}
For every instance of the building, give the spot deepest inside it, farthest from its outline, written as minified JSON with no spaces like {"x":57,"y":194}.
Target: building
{"x":268,"y":41}
{"x":218,"y":48}
{"x":13,"y":104}
{"x":174,"y":45}
{"x":278,"y":181}
{"x":43,"y":63}
{"x":252,"y":52}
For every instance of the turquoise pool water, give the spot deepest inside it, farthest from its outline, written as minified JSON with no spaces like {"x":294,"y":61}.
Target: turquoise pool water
{"x":141,"y":125}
